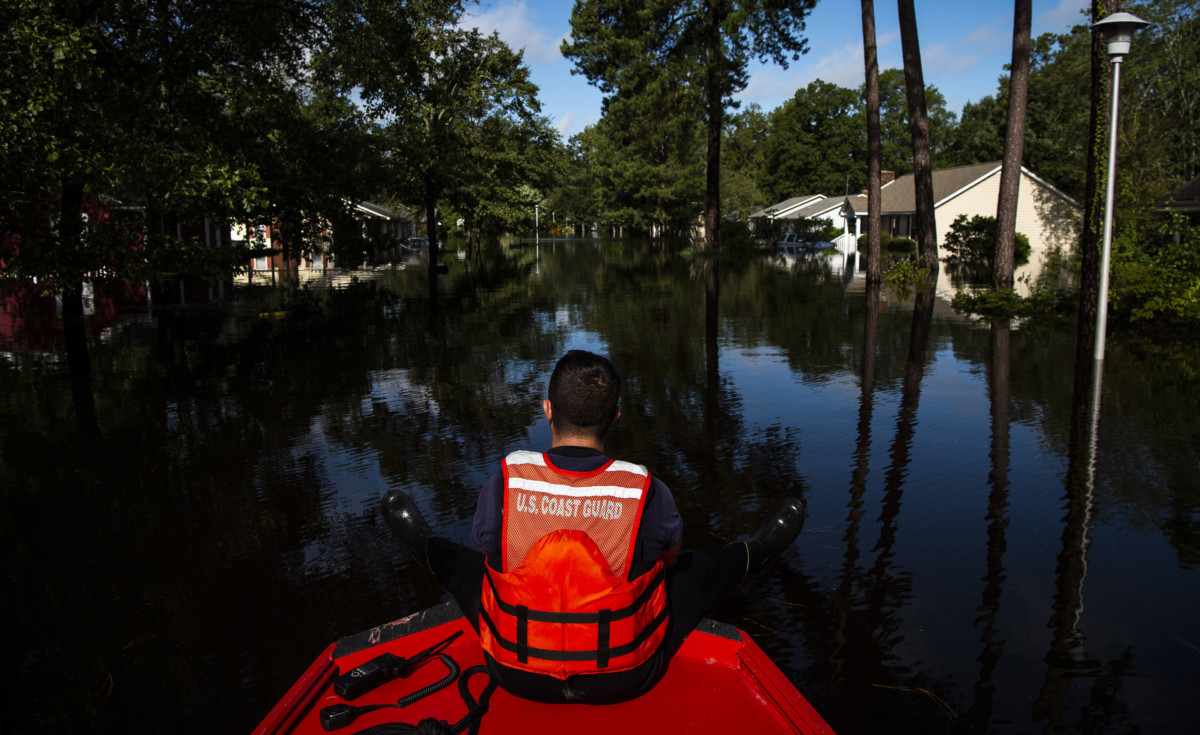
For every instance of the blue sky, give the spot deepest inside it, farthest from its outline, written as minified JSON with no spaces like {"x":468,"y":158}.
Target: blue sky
{"x":964,"y":47}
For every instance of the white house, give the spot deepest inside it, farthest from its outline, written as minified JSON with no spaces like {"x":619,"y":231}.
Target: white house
{"x":1049,"y":218}
{"x":787,"y":208}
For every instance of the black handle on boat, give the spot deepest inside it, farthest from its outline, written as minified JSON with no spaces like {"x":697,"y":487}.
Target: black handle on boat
{"x":382,"y":669}
{"x":337,"y":716}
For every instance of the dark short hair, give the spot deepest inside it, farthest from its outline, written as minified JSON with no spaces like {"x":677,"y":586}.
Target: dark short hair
{"x":583,"y":393}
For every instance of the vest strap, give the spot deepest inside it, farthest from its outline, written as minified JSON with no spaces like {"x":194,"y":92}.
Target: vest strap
{"x":549,"y":655}
{"x":575,"y":618}
{"x":602,"y":633}
{"x":522,"y":650}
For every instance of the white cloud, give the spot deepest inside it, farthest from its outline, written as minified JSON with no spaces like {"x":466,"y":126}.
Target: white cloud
{"x":990,"y":37}
{"x":1061,"y":17}
{"x":517,"y":26}
{"x":566,"y":125}
{"x":770,"y":85}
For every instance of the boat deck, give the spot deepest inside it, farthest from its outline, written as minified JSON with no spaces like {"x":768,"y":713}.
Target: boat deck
{"x":719,"y":682}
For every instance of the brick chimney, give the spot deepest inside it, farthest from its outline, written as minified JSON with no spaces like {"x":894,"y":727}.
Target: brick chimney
{"x":885,"y":178}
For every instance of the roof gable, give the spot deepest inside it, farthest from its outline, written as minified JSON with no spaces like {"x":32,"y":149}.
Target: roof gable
{"x":899,"y":197}
{"x":830,"y":204}
{"x":382,"y":211}
{"x":787,"y":207}
{"x":1184,"y":199}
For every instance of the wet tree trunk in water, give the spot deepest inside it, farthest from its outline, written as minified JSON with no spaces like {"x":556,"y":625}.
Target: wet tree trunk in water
{"x":70,"y":233}
{"x":1014,"y":144}
{"x":841,"y":640}
{"x":711,"y":323}
{"x":1093,"y":193}
{"x":874,"y":147}
{"x":288,"y":235}
{"x":918,"y":125}
{"x":431,"y":231}
{"x":1000,"y":395}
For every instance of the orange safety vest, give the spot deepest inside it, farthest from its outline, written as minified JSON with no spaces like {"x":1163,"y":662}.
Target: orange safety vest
{"x":563,"y":604}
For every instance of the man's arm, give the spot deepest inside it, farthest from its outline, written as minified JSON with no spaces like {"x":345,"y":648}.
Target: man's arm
{"x":489,"y":518}
{"x":671,"y":523}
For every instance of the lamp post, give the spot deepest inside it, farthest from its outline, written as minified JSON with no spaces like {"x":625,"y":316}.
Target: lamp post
{"x":1118,"y":30}
{"x":536,"y":224}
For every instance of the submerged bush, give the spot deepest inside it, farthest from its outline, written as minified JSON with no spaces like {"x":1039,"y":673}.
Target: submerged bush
{"x":905,"y":277}
{"x":971,"y":244}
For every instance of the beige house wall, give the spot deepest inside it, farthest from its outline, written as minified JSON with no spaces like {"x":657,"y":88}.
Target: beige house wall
{"x":1043,"y":215}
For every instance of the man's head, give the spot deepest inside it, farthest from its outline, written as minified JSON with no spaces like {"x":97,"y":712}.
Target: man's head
{"x":583,"y":394}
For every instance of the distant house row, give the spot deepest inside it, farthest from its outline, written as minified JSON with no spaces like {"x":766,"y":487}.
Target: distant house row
{"x":1049,"y":218}
{"x":376,"y":219}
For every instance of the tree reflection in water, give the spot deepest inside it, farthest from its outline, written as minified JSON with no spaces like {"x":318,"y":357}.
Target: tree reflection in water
{"x":222,"y":528}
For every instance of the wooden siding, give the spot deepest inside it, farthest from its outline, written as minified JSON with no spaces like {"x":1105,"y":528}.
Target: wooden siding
{"x":1043,"y":215}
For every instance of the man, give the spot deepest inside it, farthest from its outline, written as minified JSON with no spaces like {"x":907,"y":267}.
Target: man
{"x":577,"y":590}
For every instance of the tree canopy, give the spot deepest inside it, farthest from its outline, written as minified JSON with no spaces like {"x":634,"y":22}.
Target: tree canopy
{"x":702,"y":48}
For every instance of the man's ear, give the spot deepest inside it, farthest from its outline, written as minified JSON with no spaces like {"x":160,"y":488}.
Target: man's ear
{"x":546,"y":409}
{"x":616,"y":415}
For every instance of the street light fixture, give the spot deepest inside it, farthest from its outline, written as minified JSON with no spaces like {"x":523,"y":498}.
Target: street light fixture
{"x":1118,"y":30}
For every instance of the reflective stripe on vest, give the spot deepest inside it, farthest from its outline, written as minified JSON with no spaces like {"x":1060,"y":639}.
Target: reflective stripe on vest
{"x":606,"y":503}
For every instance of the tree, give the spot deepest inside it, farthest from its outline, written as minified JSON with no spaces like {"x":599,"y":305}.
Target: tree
{"x":620,"y":46}
{"x":1093,"y":205}
{"x":1014,"y":140}
{"x":107,"y":96}
{"x":509,"y":163}
{"x":652,"y":164}
{"x":895,"y":130}
{"x":971,"y":245}
{"x":874,"y":146}
{"x":742,"y":160}
{"x":816,"y":141}
{"x":575,"y":196}
{"x":918,"y":122}
{"x":432,"y":84}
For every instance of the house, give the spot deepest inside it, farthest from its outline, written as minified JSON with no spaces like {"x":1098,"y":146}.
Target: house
{"x":385,"y":226}
{"x":1185,"y":200}
{"x":782,"y":216}
{"x":382,"y":220}
{"x":787,"y":208}
{"x":1045,"y":215}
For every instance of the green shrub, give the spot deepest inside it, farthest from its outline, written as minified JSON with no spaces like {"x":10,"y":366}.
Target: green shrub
{"x":905,"y":277}
{"x":971,"y":244}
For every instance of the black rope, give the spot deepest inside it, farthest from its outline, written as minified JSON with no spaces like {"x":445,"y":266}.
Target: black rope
{"x":432,"y":726}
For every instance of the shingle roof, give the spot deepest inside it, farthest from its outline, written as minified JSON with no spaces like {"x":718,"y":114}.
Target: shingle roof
{"x":899,"y":196}
{"x":1184,"y":199}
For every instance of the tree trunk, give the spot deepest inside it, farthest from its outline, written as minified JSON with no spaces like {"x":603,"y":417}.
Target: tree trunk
{"x":716,"y":121}
{"x":1014,"y":145}
{"x":918,"y":125}
{"x":874,"y":147}
{"x":79,"y":366}
{"x":1094,"y":183}
{"x":431,"y":231}
{"x":713,"y":151}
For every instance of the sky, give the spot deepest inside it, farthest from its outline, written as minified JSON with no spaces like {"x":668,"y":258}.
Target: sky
{"x":964,"y":47}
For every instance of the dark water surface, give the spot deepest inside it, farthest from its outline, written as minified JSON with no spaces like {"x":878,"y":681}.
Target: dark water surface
{"x":970,"y":562}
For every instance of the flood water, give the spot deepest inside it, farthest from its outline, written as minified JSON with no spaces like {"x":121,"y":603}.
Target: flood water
{"x":972,"y":561}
